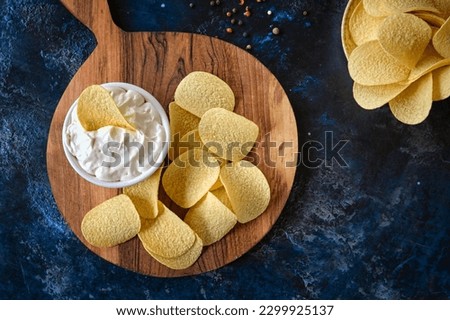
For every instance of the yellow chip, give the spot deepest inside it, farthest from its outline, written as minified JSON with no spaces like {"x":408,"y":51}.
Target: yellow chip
{"x":427,"y":67}
{"x":373,"y":97}
{"x":405,"y":37}
{"x":167,"y":235}
{"x":364,"y":27}
{"x":185,"y":260}
{"x":444,"y":7}
{"x":413,"y":105}
{"x":96,"y":109}
{"x":145,"y":195}
{"x":370,"y":65}
{"x":431,"y":18}
{"x":189,"y":177}
{"x":374,"y":8}
{"x":210,"y":219}
{"x":189,"y":141}
{"x":247,"y":189}
{"x":200,"y":91}
{"x":227,"y":134}
{"x":216,"y":185}
{"x":112,"y":222}
{"x":384,"y":8}
{"x":441,"y":40}
{"x":221,"y":194}
{"x":429,"y":62}
{"x":441,"y":83}
{"x":429,"y":59}
{"x":181,"y":121}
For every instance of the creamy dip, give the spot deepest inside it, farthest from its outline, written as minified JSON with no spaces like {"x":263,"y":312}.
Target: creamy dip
{"x":113,"y":153}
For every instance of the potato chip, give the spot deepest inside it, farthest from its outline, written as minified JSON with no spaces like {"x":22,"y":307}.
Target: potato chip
{"x":364,"y":27}
{"x":370,"y":65}
{"x":112,"y":222}
{"x":200,"y":91}
{"x":374,"y":8}
{"x":441,"y":83}
{"x":145,"y":195}
{"x":431,"y":18}
{"x":210,"y":219}
{"x":443,"y":6}
{"x":185,"y":260}
{"x":419,"y":73}
{"x":190,"y":140}
{"x":216,"y":185}
{"x":167,"y":236}
{"x":247,"y":188}
{"x":384,"y":8}
{"x":441,"y":40}
{"x":413,"y":105}
{"x":405,"y":37}
{"x":189,"y":177}
{"x":221,"y":194}
{"x":373,"y":97}
{"x":227,"y":134}
{"x":429,"y":62}
{"x":96,"y":109}
{"x":181,"y":121}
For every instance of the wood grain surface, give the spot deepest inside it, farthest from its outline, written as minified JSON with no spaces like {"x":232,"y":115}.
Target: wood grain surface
{"x":157,"y":62}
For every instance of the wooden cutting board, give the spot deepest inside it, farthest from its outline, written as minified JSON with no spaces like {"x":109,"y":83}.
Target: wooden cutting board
{"x":157,"y":61}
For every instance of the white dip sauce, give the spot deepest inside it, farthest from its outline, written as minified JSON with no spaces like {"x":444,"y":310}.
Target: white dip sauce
{"x":116,"y":154}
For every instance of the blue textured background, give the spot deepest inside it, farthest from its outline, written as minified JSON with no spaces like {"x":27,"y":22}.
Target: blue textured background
{"x":378,"y":229}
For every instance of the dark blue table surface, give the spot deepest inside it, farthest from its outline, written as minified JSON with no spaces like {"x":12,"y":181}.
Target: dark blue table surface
{"x":376,"y":228}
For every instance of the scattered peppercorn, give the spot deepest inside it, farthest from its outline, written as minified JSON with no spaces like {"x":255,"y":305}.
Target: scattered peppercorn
{"x":248,"y":47}
{"x":276,"y":31}
{"x":233,"y":21}
{"x":247,"y":12}
{"x":305,"y":13}
{"x":245,"y":34}
{"x":229,"y":30}
{"x":229,"y":13}
{"x":234,"y":10}
{"x":217,"y":2}
{"x":212,"y":3}
{"x":241,"y":2}
{"x":191,"y":5}
{"x":269,"y":13}
{"x":240,"y":23}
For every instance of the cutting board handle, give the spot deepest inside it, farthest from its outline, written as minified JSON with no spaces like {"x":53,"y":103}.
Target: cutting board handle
{"x":95,"y":15}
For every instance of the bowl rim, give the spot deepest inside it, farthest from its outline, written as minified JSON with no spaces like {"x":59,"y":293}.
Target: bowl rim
{"x":144,"y":175}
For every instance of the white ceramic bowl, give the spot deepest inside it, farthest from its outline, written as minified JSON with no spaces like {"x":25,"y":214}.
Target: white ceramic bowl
{"x":144,"y":175}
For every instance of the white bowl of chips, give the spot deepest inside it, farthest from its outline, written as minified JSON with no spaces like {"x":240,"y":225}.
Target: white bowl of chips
{"x":115,"y":135}
{"x":398,"y":54}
